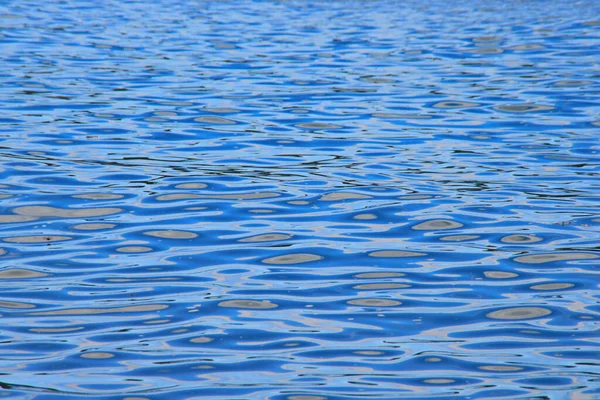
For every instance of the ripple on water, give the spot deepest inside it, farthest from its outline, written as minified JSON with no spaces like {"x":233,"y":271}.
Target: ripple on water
{"x":268,"y":237}
{"x":485,"y":50}
{"x":134,"y":249}
{"x":340,"y":196}
{"x":98,"y":196}
{"x":521,"y":239}
{"x":191,"y":185}
{"x":97,"y":355}
{"x":172,"y":234}
{"x":201,"y":339}
{"x":439,"y":381}
{"x":517,"y":313}
{"x":573,"y":83}
{"x":552,"y":286}
{"x":523,"y":108}
{"x":19,"y":273}
{"x":437,"y":224}
{"x":395,"y":254}
{"x":416,"y":197}
{"x":177,"y":196}
{"x":244,"y":185}
{"x":365,"y":217}
{"x":500,"y":368}
{"x":37,"y":239}
{"x":94,"y":311}
{"x":56,"y":330}
{"x":400,"y":116}
{"x":93,"y":227}
{"x":47,"y":211}
{"x":306,"y":397}
{"x":216,"y":120}
{"x":525,"y":47}
{"x":373,"y":302}
{"x":318,"y":125}
{"x":455,"y":104}
{"x":238,"y":196}
{"x":261,"y":211}
{"x":499,"y":274}
{"x":15,"y":304}
{"x":378,"y":275}
{"x":381,"y":286}
{"x":296,"y":258}
{"x":221,"y":110}
{"x":249,"y":304}
{"x":552,"y":257}
{"x":459,"y":238}
{"x":11,"y":219}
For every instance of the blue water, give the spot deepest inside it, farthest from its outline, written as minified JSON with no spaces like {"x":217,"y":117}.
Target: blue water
{"x":300,"y":200}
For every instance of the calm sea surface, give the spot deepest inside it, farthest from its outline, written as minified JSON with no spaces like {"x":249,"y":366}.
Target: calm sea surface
{"x":299,"y":200}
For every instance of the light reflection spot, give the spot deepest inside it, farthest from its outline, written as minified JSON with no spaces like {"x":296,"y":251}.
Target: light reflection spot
{"x":375,"y":275}
{"x":191,"y":185}
{"x":437,"y":224}
{"x":500,"y":368}
{"x":374,"y":302}
{"x":521,"y":239}
{"x":265,"y":238}
{"x":306,"y":397}
{"x":519,"y":313}
{"x":499,"y":274}
{"x":97,"y":355}
{"x":395,"y":254}
{"x":552,"y":286}
{"x":93,"y":227}
{"x":379,"y":286}
{"x":201,"y":339}
{"x":344,"y":196}
{"x":19,"y":273}
{"x":296,"y":258}
{"x":36,"y":239}
{"x":98,"y":196}
{"x":172,"y":234}
{"x":546,"y":258}
{"x":439,"y":381}
{"x":365,"y":216}
{"x":250,"y":304}
{"x":134,"y":249}
{"x":459,"y":238}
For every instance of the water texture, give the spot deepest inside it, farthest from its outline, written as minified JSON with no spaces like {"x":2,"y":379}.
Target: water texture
{"x":300,"y":200}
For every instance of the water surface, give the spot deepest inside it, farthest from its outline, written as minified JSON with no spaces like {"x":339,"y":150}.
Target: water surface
{"x":295,"y":200}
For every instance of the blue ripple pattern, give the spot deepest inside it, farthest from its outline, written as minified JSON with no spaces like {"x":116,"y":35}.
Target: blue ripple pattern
{"x":299,"y":200}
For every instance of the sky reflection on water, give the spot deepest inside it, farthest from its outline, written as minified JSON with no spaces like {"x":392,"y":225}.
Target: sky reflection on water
{"x":299,"y":200}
